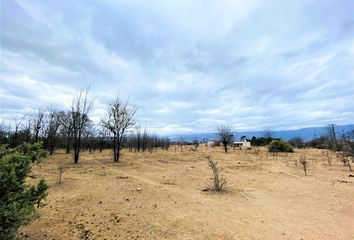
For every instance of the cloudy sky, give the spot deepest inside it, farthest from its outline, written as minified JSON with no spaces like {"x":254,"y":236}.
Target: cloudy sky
{"x":186,"y":65}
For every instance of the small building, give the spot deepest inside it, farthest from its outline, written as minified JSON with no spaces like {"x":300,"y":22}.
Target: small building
{"x":213,"y":143}
{"x":243,"y":144}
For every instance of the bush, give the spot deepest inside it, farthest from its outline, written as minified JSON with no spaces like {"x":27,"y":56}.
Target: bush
{"x":34,"y":151}
{"x":18,"y":201}
{"x":297,"y":142}
{"x":218,"y":182}
{"x":280,"y":146}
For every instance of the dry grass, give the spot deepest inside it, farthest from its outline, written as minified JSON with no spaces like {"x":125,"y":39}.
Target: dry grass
{"x":157,"y":196}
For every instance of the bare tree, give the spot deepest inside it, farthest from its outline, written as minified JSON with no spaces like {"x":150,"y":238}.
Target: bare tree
{"x":80,"y":108}
{"x":5,"y":130}
{"x":18,"y":123}
{"x":144,"y":139}
{"x":328,"y":157}
{"x":61,"y":170}
{"x":138,"y":137}
{"x":119,"y":118}
{"x":66,"y":122}
{"x":304,"y":163}
{"x":225,"y":135}
{"x":89,"y":134}
{"x":38,"y":119}
{"x":268,"y":132}
{"x":331,"y":132}
{"x":196,"y":143}
{"x":346,"y":154}
{"x":218,"y":182}
{"x":27,"y":131}
{"x":102,"y":133}
{"x":51,"y":127}
{"x":181,"y":142}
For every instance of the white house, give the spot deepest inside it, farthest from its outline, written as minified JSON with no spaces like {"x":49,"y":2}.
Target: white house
{"x":243,"y":144}
{"x":213,"y":143}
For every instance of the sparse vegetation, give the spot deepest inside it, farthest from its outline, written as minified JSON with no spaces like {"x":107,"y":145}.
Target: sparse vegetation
{"x":218,"y":181}
{"x":61,"y":170}
{"x":345,"y":155}
{"x":196,"y":144}
{"x":328,"y":156}
{"x":167,"y":180}
{"x":304,"y":163}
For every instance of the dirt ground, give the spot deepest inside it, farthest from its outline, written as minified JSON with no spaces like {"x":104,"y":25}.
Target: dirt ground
{"x":158,"y":196}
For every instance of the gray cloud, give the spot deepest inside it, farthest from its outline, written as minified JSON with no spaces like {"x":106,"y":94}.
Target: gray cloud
{"x":187,"y":66}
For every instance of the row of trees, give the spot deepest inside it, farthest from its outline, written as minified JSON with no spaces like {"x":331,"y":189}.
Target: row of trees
{"x":74,"y":131}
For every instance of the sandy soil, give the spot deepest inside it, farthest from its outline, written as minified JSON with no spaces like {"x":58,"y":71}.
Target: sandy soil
{"x":158,"y":196}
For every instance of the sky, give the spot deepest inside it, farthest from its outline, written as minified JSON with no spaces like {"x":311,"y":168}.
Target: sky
{"x":187,"y":66}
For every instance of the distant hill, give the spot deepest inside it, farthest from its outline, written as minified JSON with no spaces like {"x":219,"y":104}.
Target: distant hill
{"x":304,"y":133}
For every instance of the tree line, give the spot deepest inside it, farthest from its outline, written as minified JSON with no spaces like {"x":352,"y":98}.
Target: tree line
{"x":74,"y":131}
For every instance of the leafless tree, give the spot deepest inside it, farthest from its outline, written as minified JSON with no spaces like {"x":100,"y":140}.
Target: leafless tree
{"x":329,"y":157}
{"x":61,"y":170}
{"x":66,"y":122}
{"x":27,"y":130}
{"x":51,"y":127}
{"x":102,"y":134}
{"x":144,"y":139}
{"x":38,"y":119}
{"x":304,"y":163}
{"x":5,"y":130}
{"x":18,"y":123}
{"x":218,"y":182}
{"x":138,"y":137}
{"x":268,"y":132}
{"x":331,"y":132}
{"x":346,"y":154}
{"x":89,"y":133}
{"x":80,"y":109}
{"x":119,"y":118}
{"x":181,"y":142}
{"x":225,"y":135}
{"x":196,"y":144}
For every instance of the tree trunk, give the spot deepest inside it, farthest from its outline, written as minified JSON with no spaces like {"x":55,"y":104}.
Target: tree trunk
{"x":118,"y":154}
{"x":101,"y":145}
{"x":115,"y":159}
{"x":77,"y":146}
{"x":14,"y":139}
{"x":36,"y":136}
{"x":225,"y":146}
{"x":68,"y":144}
{"x":138,"y":143}
{"x":51,"y":149}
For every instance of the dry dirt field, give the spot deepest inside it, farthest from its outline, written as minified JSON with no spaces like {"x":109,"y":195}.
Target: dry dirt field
{"x":158,"y":196}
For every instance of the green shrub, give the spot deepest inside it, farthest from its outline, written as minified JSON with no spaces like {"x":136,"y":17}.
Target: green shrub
{"x":280,"y":146}
{"x":18,"y":201}
{"x":34,"y":151}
